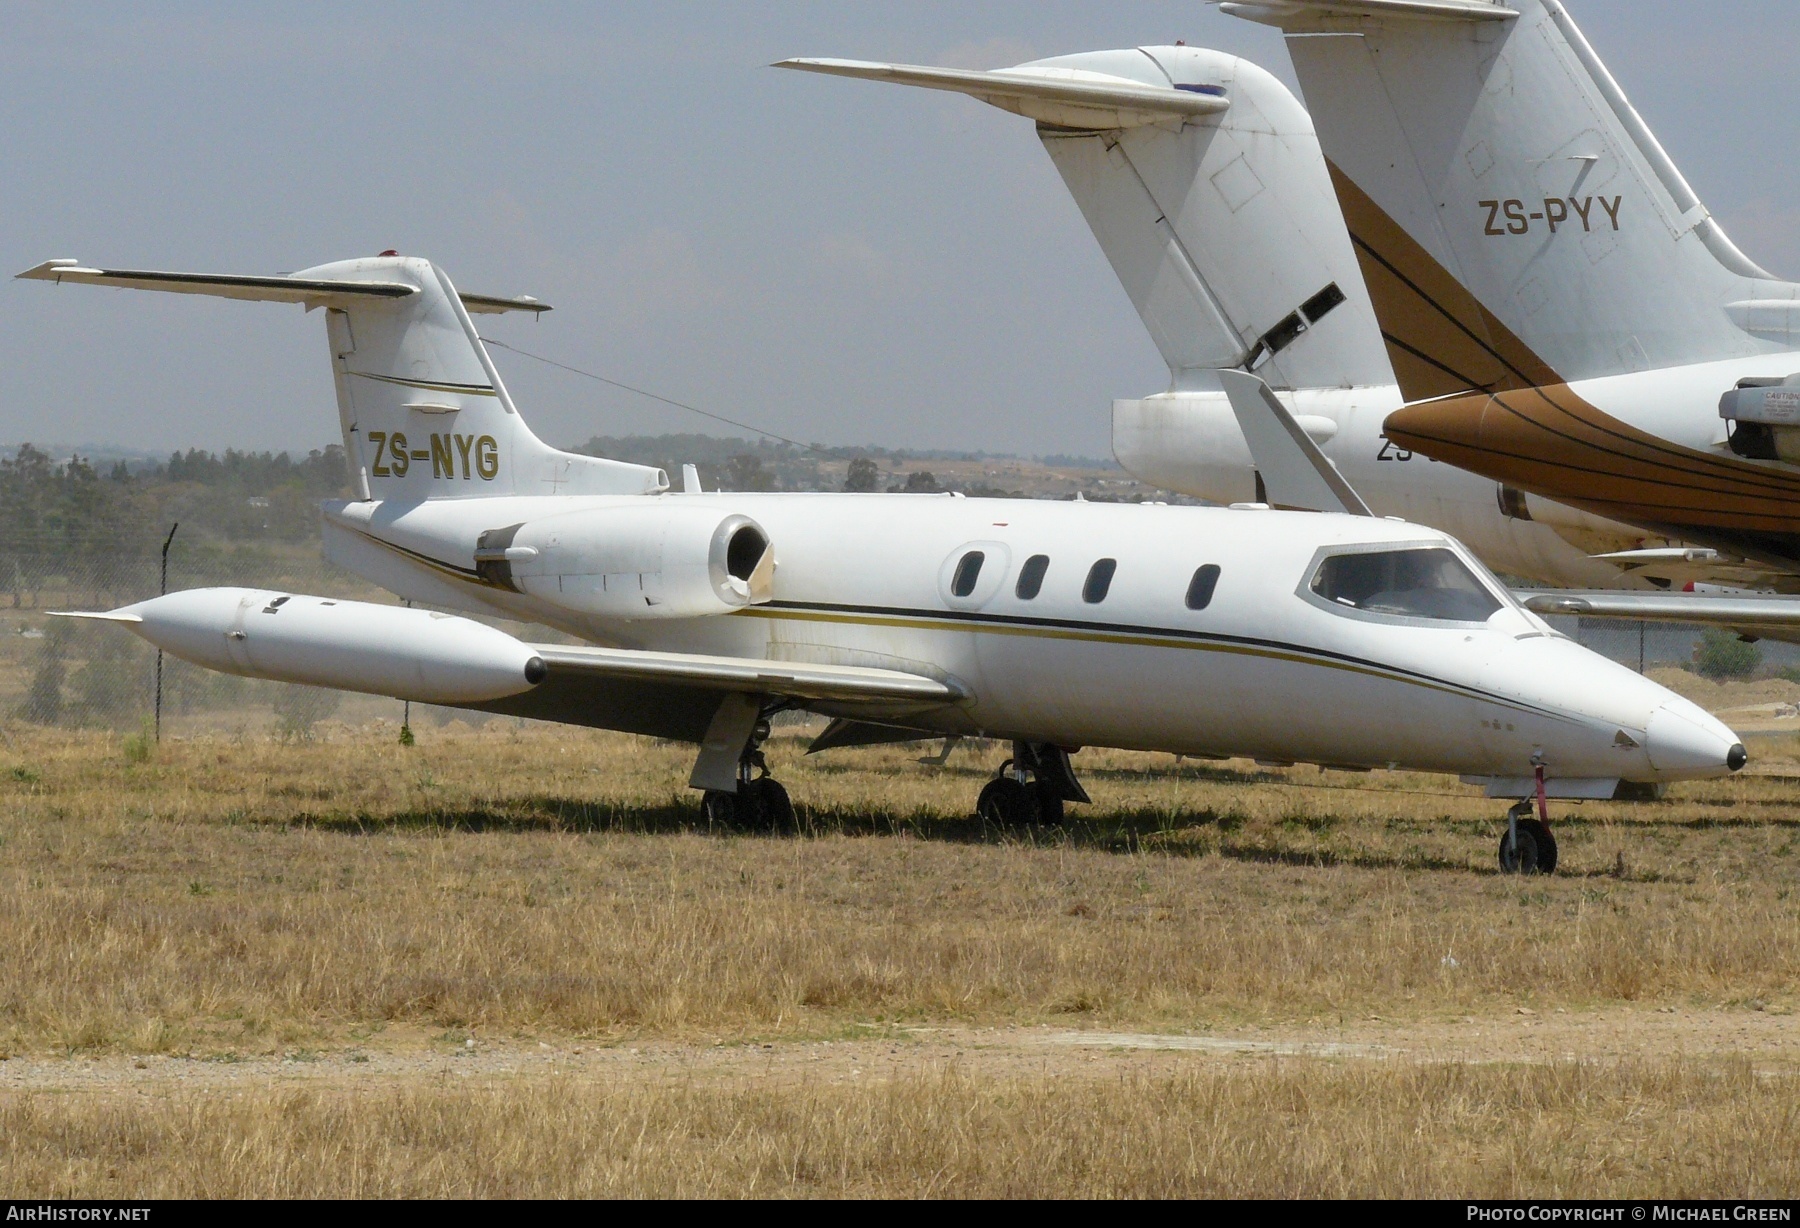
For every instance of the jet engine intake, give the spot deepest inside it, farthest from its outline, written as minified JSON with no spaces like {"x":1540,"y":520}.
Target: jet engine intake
{"x":661,"y":559}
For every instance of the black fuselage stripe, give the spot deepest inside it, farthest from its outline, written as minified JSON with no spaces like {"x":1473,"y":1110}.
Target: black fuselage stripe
{"x":1664,"y":475}
{"x":977,"y":619}
{"x":1422,"y":356}
{"x":1438,"y":307}
{"x":1097,"y":628}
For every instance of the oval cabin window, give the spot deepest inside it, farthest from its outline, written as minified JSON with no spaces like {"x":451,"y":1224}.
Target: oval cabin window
{"x":1099,"y":579}
{"x":1031,"y":577}
{"x":968,"y":571}
{"x":1200,"y":588}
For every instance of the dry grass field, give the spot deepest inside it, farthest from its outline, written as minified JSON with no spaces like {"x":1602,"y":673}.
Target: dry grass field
{"x":514,"y":961}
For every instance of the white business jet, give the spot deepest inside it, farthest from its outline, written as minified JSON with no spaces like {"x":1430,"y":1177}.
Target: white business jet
{"x":1332,"y":637}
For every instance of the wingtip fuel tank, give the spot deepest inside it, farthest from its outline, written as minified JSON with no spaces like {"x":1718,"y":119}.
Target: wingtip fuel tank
{"x":347,"y":645}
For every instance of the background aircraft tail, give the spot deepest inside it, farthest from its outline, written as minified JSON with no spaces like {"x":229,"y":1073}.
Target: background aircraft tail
{"x":423,"y":411}
{"x":1201,"y":177}
{"x":1517,"y":222}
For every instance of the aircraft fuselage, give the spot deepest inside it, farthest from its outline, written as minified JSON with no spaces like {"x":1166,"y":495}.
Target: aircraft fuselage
{"x":1267,"y":668}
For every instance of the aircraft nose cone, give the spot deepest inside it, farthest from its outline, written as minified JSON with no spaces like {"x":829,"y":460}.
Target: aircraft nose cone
{"x":1684,"y":740}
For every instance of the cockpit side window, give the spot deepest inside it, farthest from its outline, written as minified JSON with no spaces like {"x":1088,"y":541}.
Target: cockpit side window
{"x":1422,"y":582}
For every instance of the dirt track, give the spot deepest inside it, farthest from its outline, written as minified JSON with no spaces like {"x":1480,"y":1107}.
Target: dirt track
{"x":1771,"y":1041}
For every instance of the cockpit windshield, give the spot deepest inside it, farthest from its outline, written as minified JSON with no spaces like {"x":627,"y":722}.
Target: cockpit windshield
{"x":1423,"y":582}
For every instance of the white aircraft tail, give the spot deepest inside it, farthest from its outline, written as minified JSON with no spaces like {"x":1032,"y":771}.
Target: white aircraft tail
{"x":1201,"y":177}
{"x":1517,"y":222}
{"x":423,"y":411}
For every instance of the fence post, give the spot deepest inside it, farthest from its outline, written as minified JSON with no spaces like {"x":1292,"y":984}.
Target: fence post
{"x":163,"y":590}
{"x":406,"y":733}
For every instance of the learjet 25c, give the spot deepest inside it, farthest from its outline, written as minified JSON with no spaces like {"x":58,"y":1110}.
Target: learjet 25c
{"x":1293,"y":636}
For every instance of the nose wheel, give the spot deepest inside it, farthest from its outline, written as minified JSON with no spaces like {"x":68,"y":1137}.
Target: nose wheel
{"x":1527,"y":846}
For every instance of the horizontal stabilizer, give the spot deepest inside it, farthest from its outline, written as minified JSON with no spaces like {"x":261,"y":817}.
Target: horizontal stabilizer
{"x":1294,"y":14}
{"x":310,"y":292}
{"x":494,"y":305}
{"x":790,"y":679}
{"x":110,"y":616}
{"x":1295,"y":473}
{"x":1066,"y":97}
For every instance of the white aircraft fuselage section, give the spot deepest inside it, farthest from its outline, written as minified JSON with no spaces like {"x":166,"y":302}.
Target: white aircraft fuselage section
{"x":1266,"y":669}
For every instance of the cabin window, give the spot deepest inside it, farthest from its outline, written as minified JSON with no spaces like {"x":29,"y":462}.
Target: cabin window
{"x":968,"y":570}
{"x":1200,"y":588}
{"x":1099,"y":579}
{"x":1031,"y":577}
{"x":1423,"y":582}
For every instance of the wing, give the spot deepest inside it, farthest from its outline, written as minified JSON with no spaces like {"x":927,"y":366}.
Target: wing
{"x":1677,"y":567}
{"x":675,"y":695}
{"x":1775,"y":618}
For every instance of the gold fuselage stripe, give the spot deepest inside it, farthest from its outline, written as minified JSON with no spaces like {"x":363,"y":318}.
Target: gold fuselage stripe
{"x":1091,"y":635}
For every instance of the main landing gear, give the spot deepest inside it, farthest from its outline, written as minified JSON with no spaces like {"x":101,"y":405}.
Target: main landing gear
{"x":732,"y":755}
{"x":1031,"y":787}
{"x":760,"y":804}
{"x":1528,"y":846}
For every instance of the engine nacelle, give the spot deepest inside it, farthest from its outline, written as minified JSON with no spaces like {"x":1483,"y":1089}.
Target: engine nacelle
{"x":663,"y":559}
{"x":1763,"y":419}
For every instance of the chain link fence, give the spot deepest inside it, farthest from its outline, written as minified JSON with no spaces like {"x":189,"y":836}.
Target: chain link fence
{"x":83,"y":674}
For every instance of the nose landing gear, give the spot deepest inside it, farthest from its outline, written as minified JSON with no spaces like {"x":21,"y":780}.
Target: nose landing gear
{"x":1031,"y":787}
{"x":1528,"y":846}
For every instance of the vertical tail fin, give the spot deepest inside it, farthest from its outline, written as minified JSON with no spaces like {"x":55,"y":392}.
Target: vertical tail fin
{"x":1516,"y":220}
{"x":1224,"y":230}
{"x":1200,"y":175}
{"x":423,"y":411}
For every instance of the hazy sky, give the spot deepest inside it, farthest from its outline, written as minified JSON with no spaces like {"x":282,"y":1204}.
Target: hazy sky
{"x":837,"y":260}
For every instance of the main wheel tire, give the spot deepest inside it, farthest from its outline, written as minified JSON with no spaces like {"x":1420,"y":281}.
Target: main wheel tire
{"x":1546,"y":845}
{"x":775,"y":809}
{"x":1049,"y":804}
{"x":1520,"y":856}
{"x":1005,"y":802}
{"x":720,"y":808}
